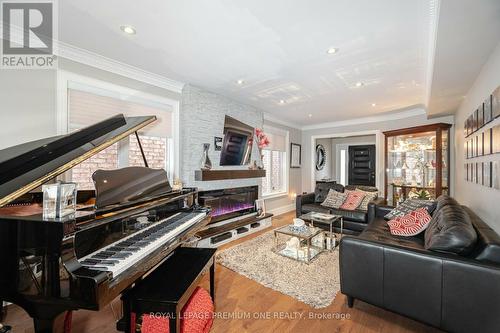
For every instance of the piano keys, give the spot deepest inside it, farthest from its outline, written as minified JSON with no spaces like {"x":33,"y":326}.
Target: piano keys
{"x":121,"y":231}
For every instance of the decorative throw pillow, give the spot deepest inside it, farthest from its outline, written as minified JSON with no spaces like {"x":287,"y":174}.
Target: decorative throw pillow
{"x":369,"y":196}
{"x":410,"y":205}
{"x":410,"y":224}
{"x":353,"y":200}
{"x":334,"y":199}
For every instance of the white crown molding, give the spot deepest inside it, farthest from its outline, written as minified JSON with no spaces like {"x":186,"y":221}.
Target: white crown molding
{"x":74,"y":53}
{"x":270,"y":117}
{"x":96,"y":60}
{"x":434,"y":7}
{"x":366,"y":120}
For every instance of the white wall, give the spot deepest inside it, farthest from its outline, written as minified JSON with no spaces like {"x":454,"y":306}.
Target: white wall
{"x":386,"y":125}
{"x":482,"y":200}
{"x":27,"y":106}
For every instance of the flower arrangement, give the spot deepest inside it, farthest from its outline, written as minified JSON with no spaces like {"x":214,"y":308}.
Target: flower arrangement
{"x":262,"y":139}
{"x":262,"y":142}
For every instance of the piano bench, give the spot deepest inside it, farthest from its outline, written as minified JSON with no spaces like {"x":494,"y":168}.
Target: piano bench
{"x":165,"y":292}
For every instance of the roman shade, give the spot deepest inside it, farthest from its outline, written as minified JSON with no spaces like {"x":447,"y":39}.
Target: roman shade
{"x":87,"y":108}
{"x":277,"y":138}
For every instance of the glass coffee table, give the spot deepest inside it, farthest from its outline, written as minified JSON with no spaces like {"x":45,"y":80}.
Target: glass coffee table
{"x":329,"y":219}
{"x":310,"y":242}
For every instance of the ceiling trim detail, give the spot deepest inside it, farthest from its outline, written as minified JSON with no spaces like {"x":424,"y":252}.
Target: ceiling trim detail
{"x":366,"y":120}
{"x":270,"y":117}
{"x":98,"y":61}
{"x":434,"y":7}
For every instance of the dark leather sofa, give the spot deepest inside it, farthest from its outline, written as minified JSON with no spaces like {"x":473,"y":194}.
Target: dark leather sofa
{"x":450,"y":291}
{"x":355,"y":221}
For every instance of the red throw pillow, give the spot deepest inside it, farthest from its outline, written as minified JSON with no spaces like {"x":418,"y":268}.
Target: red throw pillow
{"x":353,"y":200}
{"x":410,"y":224}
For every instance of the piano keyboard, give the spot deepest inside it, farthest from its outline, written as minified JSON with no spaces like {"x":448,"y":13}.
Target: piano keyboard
{"x":123,"y":254}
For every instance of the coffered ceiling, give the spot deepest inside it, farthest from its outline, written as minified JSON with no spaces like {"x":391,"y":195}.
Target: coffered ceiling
{"x":277,"y":50}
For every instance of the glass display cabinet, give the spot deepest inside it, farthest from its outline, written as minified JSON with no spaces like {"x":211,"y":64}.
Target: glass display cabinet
{"x":417,"y":162}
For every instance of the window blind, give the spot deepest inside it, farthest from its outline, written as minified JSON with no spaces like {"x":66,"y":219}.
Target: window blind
{"x":277,"y":138}
{"x":87,"y":108}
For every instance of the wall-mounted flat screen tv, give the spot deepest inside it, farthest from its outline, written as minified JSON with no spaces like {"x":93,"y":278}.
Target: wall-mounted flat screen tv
{"x":237,"y":144}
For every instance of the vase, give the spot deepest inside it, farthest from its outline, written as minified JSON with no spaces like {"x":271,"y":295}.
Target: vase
{"x":206,"y":164}
{"x":261,"y":164}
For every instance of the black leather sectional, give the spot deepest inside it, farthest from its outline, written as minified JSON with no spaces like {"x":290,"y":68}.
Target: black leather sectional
{"x":355,"y":221}
{"x":447,"y":277}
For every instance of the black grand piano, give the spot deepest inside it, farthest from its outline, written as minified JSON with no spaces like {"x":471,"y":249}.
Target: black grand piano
{"x":84,"y":261}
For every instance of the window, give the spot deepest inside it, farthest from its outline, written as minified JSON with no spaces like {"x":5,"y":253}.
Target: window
{"x":88,"y":107}
{"x":275,"y":163}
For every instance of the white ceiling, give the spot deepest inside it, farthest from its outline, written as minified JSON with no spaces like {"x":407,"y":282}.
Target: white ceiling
{"x":277,"y":47}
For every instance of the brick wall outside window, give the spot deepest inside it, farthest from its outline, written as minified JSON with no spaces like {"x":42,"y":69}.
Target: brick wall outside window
{"x":106,"y":160}
{"x":155,"y":149}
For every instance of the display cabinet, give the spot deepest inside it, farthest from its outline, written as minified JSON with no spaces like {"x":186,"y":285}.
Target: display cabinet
{"x":417,"y":162}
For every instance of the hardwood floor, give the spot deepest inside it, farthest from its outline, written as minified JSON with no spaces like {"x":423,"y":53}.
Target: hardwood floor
{"x":239,"y":300}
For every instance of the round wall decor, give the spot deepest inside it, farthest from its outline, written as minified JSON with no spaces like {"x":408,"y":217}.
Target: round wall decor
{"x":320,"y":157}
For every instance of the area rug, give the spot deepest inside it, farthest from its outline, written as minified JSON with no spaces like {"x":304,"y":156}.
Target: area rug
{"x":315,"y":284}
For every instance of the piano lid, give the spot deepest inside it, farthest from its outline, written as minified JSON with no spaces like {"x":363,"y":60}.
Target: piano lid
{"x":25,"y":167}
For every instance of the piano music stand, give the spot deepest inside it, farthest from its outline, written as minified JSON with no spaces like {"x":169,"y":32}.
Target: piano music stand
{"x":169,"y":287}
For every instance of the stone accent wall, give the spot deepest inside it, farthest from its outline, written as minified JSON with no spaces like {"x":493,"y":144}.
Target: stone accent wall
{"x":201,"y":119}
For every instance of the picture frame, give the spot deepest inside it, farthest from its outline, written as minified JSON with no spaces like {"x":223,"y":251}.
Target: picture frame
{"x":487,"y":142}
{"x":469,"y":125}
{"x":495,"y":139}
{"x":471,"y":171}
{"x":466,"y":171}
{"x":495,"y":103}
{"x":474,"y":173}
{"x":473,"y":147}
{"x":479,"y":170}
{"x":495,"y":175}
{"x":479,"y":144}
{"x":487,"y":174}
{"x":480,"y":116}
{"x":474,"y":121}
{"x":295,"y":155}
{"x":487,"y":110}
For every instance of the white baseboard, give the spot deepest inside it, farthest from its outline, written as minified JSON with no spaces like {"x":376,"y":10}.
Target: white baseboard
{"x":282,"y":209}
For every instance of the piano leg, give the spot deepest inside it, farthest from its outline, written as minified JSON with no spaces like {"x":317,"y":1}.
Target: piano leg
{"x":44,"y":325}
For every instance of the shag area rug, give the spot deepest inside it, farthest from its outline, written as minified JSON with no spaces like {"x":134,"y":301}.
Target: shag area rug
{"x":315,"y":284}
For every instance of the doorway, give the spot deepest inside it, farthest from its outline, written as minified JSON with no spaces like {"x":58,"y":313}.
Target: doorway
{"x":362,"y":165}
{"x":338,"y":162}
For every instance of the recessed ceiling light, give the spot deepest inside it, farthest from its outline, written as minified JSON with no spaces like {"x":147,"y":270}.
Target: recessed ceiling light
{"x":310,"y":115}
{"x":128,"y":29}
{"x":332,"y":50}
{"x":359,"y":84}
{"x":374,"y":104}
{"x":240,"y":82}
{"x":282,"y":101}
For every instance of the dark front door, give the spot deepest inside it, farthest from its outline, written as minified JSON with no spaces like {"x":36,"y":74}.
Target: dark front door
{"x":362,"y":165}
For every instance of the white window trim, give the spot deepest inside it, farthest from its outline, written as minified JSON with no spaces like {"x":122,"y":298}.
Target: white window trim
{"x":286,"y":162}
{"x":67,"y":79}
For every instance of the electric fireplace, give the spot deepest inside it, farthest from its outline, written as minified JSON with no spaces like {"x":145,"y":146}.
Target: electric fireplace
{"x":230,"y":202}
